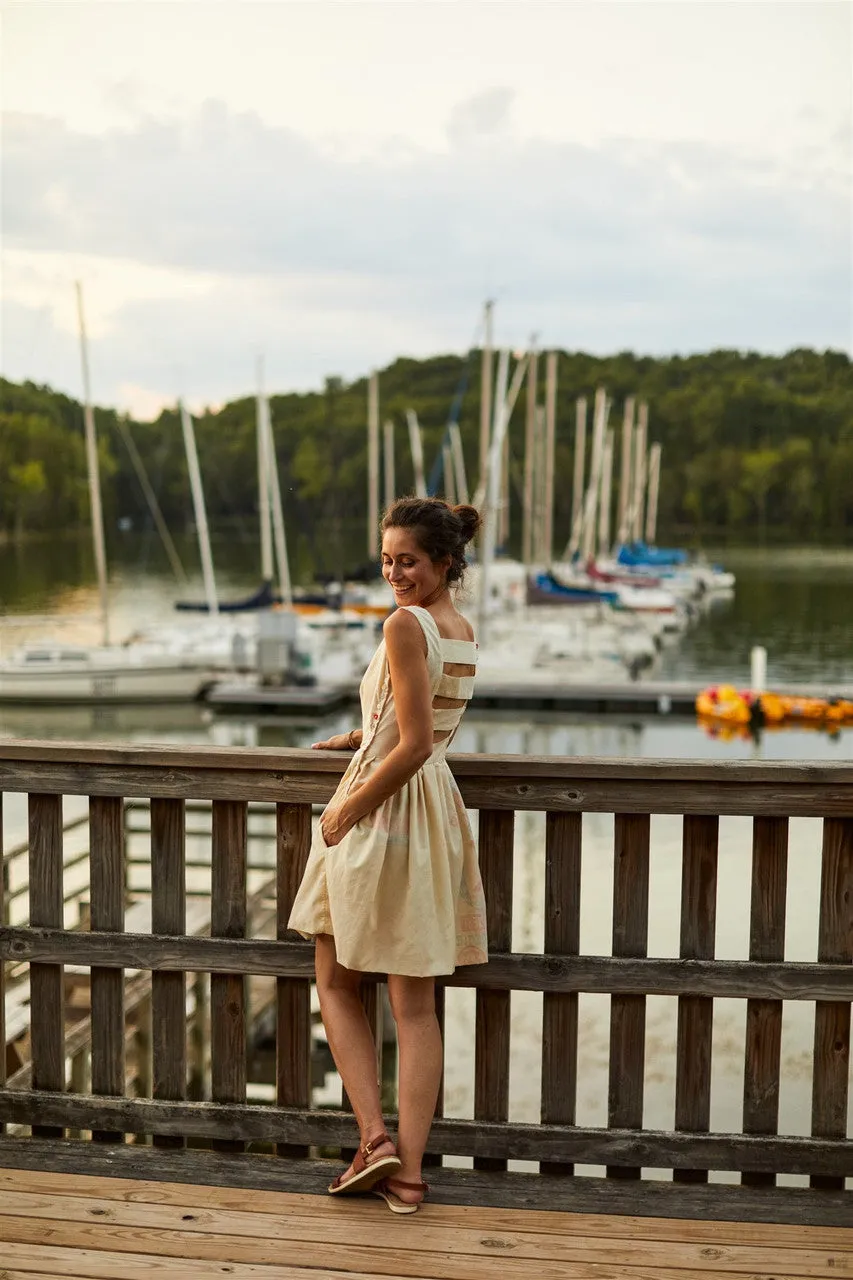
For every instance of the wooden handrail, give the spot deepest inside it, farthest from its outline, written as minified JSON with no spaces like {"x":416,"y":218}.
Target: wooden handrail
{"x":176,"y":781}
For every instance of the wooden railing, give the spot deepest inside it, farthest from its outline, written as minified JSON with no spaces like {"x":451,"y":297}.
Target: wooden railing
{"x":497,"y":786}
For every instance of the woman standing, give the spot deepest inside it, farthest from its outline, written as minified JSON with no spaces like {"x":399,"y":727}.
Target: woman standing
{"x":392,"y":883}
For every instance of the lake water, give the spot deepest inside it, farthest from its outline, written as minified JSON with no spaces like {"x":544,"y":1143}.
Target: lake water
{"x":798,"y":604}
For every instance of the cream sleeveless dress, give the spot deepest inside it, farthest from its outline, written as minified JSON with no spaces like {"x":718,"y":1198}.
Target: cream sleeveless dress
{"x":401,"y":893}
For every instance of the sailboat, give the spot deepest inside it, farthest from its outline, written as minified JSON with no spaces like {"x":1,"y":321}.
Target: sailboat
{"x":54,"y":672}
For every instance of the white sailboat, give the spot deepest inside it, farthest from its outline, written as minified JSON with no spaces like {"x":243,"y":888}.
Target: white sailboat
{"x":54,"y":672}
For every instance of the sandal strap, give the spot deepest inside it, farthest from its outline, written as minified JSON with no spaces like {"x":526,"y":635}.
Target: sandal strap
{"x":361,"y":1156}
{"x":410,"y":1186}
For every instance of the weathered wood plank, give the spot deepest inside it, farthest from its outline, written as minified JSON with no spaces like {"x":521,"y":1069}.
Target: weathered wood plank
{"x":3,"y":886}
{"x":47,"y":999}
{"x":488,"y":783}
{"x":800,"y":1206}
{"x":832,"y":1020}
{"x":628,"y":1012}
{"x":739,"y":979}
{"x":168,"y":990}
{"x":764,"y":1017}
{"x":106,"y":855}
{"x":228,"y":920}
{"x":497,"y":1140}
{"x":492,"y":1025}
{"x":696,"y":1013}
{"x":537,"y":1224}
{"x":560,"y":1011}
{"x":293,"y":995}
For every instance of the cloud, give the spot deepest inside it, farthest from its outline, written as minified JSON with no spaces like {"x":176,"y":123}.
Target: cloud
{"x":484,"y":113}
{"x":220,"y":234}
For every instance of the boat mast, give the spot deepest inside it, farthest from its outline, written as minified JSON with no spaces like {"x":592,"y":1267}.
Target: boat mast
{"x":373,"y":466}
{"x":528,"y":540}
{"x":604,"y":502}
{"x":458,"y":463}
{"x":491,"y":477}
{"x":388,"y":451}
{"x":654,"y":490}
{"x":284,"y":584}
{"x":263,"y":478}
{"x":94,"y":476}
{"x":417,"y":448}
{"x":548,"y":470}
{"x":623,"y":529}
{"x":579,"y":472}
{"x":199,"y":509}
{"x":485,"y":392}
{"x":639,"y":472}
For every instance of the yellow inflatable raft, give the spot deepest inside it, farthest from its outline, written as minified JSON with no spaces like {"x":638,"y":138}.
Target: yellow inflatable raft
{"x":724,"y":704}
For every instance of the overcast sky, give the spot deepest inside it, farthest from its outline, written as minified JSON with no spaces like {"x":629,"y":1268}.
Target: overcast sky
{"x":336,"y":184}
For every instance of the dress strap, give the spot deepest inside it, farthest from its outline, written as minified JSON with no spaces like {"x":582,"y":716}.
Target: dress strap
{"x":455,"y":687}
{"x":459,"y":651}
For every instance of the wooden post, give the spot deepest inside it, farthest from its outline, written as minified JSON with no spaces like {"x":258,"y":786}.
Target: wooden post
{"x":628,"y":1012}
{"x":388,"y":452}
{"x":3,"y":920}
{"x":696,"y":1013}
{"x":832,"y":1018}
{"x":764,"y":1017}
{"x":527,"y":536}
{"x":47,"y":997}
{"x":486,"y":392}
{"x":293,"y":995}
{"x":168,"y":990}
{"x":625,"y":472}
{"x":491,"y":1035}
{"x":373,"y":466}
{"x":560,"y":1010}
{"x":227,"y":990}
{"x":106,"y":830}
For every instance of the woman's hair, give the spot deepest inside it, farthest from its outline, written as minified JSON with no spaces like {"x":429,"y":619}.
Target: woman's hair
{"x":439,"y":529}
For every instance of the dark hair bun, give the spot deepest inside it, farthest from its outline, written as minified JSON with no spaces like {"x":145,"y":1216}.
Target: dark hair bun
{"x":469,"y":518}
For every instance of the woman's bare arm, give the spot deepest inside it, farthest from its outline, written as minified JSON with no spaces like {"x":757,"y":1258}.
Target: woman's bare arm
{"x":406,"y":650}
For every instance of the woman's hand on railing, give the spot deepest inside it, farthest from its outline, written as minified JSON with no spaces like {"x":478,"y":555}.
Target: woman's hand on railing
{"x":340,"y":742}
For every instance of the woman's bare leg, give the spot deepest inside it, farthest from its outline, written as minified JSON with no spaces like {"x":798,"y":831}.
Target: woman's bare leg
{"x":421,"y":1056}
{"x":350,"y":1040}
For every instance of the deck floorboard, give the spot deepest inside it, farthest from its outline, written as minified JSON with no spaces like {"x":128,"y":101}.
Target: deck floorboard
{"x":81,"y":1226}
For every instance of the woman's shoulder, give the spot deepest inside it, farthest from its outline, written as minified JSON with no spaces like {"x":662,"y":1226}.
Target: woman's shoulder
{"x":404,"y":626}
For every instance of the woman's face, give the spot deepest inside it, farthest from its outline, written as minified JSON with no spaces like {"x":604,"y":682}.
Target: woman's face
{"x":407,"y":568}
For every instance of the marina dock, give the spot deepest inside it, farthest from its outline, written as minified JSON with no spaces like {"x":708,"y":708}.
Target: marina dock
{"x":647,"y":698}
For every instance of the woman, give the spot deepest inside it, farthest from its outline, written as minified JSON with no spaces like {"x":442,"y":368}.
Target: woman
{"x":392,"y":883}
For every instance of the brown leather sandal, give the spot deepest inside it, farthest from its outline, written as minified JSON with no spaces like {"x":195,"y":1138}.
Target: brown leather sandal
{"x":366,"y":1173}
{"x":385,"y":1190}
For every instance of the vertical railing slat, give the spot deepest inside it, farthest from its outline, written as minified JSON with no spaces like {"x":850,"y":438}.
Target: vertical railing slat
{"x":293,"y":995}
{"x":2,"y":963}
{"x":628,"y":1012}
{"x":168,"y":990}
{"x":492,"y":1028}
{"x":560,"y":1010}
{"x":47,"y":997}
{"x":229,"y":838}
{"x":832,"y":1018}
{"x":764,"y":1017}
{"x":106,"y":862}
{"x":696,"y":1013}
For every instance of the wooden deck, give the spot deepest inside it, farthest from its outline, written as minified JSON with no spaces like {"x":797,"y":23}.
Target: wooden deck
{"x":66,"y":1226}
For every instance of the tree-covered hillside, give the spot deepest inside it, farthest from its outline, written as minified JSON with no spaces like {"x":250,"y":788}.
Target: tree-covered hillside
{"x":753,"y":447}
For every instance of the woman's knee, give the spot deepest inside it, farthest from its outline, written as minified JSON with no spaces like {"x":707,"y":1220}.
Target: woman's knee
{"x":333,"y":978}
{"x":411,"y":999}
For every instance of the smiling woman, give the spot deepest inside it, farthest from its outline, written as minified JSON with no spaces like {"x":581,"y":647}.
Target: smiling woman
{"x":392,"y":884}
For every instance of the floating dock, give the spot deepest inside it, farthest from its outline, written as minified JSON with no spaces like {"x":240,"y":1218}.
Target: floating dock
{"x":647,"y":698}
